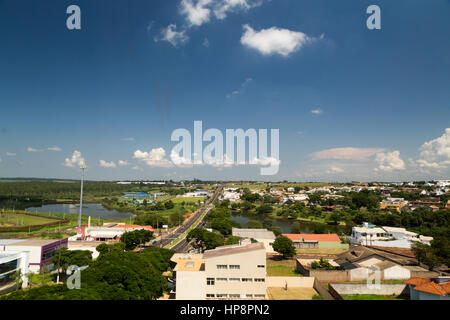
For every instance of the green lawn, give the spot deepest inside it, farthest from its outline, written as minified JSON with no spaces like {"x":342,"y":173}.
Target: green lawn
{"x":187,"y":199}
{"x":20,"y":220}
{"x":281,"y":268}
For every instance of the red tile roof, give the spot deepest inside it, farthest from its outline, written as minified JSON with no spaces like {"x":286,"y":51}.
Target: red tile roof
{"x":313,"y":237}
{"x":427,"y":285}
{"x":134,"y":226}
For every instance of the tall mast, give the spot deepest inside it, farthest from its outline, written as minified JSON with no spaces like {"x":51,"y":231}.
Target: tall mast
{"x":83,"y":167}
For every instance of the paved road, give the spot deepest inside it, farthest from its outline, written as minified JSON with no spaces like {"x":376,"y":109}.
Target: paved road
{"x":183,"y":246}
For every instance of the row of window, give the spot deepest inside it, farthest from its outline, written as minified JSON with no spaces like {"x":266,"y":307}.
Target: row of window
{"x":212,"y":281}
{"x":234,"y":266}
{"x":223,"y":295}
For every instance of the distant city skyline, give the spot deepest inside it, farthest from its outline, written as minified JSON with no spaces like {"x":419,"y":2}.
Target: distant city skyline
{"x":351,"y":104}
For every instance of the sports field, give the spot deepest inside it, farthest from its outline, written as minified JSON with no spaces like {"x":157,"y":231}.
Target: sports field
{"x":10,"y":219}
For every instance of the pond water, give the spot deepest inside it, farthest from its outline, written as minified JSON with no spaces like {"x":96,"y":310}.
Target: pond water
{"x":89,"y":209}
{"x":286,"y":224}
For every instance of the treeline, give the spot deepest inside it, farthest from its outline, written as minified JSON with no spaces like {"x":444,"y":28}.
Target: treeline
{"x":115,"y":275}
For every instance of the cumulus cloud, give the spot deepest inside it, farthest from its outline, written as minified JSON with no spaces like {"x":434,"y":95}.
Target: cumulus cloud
{"x":30,"y":149}
{"x":128,"y":139}
{"x":223,"y":7}
{"x":154,"y":158}
{"x":389,"y":161}
{"x":54,"y":148}
{"x":171,"y":35}
{"x":317,"y":111}
{"x":267,"y":161}
{"x":274,"y":40}
{"x":10,"y":154}
{"x":196,"y":13}
{"x":335,"y":169}
{"x":123,"y":163}
{"x":137,"y":168}
{"x":358,"y":154}
{"x":180,"y":161}
{"x":435,"y":154}
{"x":76,"y":160}
{"x":241,"y":89}
{"x":106,"y":164}
{"x":206,"y":42}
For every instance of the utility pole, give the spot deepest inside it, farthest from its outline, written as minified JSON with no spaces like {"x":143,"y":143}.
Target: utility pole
{"x":83,"y":167}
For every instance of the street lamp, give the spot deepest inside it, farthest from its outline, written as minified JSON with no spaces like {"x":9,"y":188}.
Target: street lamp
{"x":82,"y":167}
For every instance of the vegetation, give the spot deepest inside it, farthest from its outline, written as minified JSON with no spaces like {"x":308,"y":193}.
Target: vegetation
{"x":205,"y":240}
{"x":322,"y":264}
{"x":284,"y":246}
{"x":135,"y":238}
{"x":115,"y":275}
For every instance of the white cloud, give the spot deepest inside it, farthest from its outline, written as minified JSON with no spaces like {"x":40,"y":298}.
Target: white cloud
{"x":196,"y":13}
{"x":54,"y":148}
{"x":359,"y":154}
{"x":106,"y":164}
{"x":274,"y":40}
{"x":10,"y":154}
{"x":30,"y":149}
{"x":76,"y":159}
{"x":223,"y":7}
{"x":123,"y":163}
{"x":267,"y":161}
{"x":389,"y":161}
{"x":335,"y":169}
{"x":154,"y":158}
{"x":172,"y":36}
{"x":128,"y":139}
{"x":206,"y":42}
{"x":317,"y":111}
{"x":137,"y":168}
{"x":241,"y":89}
{"x":179,"y":160}
{"x":435,"y":154}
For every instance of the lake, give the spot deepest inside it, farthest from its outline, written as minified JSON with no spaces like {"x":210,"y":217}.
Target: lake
{"x":285,"y":224}
{"x":89,"y":209}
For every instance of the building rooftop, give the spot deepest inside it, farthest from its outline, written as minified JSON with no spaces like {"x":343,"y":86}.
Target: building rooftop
{"x":34,"y":242}
{"x":313,"y":237}
{"x":429,"y":286}
{"x":233,"y":249}
{"x":253,"y":233}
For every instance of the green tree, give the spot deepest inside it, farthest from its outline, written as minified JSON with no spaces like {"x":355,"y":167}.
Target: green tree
{"x":134,"y":238}
{"x":252,"y":224}
{"x":284,"y":246}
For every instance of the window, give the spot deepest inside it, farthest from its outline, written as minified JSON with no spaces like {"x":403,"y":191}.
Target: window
{"x":222,"y":266}
{"x":260,"y":280}
{"x":260,"y":295}
{"x":221,"y":279}
{"x":247,"y":279}
{"x":210,"y":281}
{"x":209,"y":295}
{"x":221,"y":295}
{"x":235,"y":279}
{"x":235,"y":266}
{"x":261,"y":266}
{"x":249,"y":296}
{"x":234,"y":295}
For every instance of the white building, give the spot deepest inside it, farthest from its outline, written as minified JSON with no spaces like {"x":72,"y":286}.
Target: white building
{"x":229,"y":272}
{"x":10,"y":263}
{"x":260,"y":235}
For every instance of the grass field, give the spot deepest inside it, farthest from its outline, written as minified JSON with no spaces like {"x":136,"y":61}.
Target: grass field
{"x":281,"y":268}
{"x":291,"y":293}
{"x":187,"y":199}
{"x":20,"y":220}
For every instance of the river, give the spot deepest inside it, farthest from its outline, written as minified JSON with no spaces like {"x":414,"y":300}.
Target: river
{"x":89,"y":209}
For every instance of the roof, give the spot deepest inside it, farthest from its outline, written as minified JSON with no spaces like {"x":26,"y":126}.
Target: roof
{"x":234,"y":249}
{"x":253,"y":233}
{"x":194,"y":264}
{"x":429,"y":286}
{"x":368,"y":230}
{"x":134,"y":226}
{"x":313,"y":237}
{"x":34,"y":242}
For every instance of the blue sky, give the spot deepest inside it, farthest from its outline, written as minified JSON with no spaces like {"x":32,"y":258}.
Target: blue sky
{"x":350,"y":103}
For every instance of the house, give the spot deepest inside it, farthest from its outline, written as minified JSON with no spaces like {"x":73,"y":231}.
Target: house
{"x":229,"y":272}
{"x":429,"y":289}
{"x":40,"y":251}
{"x":393,"y":204}
{"x":320,"y":241}
{"x":260,"y":235}
{"x":448,"y":205}
{"x":371,"y":235}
